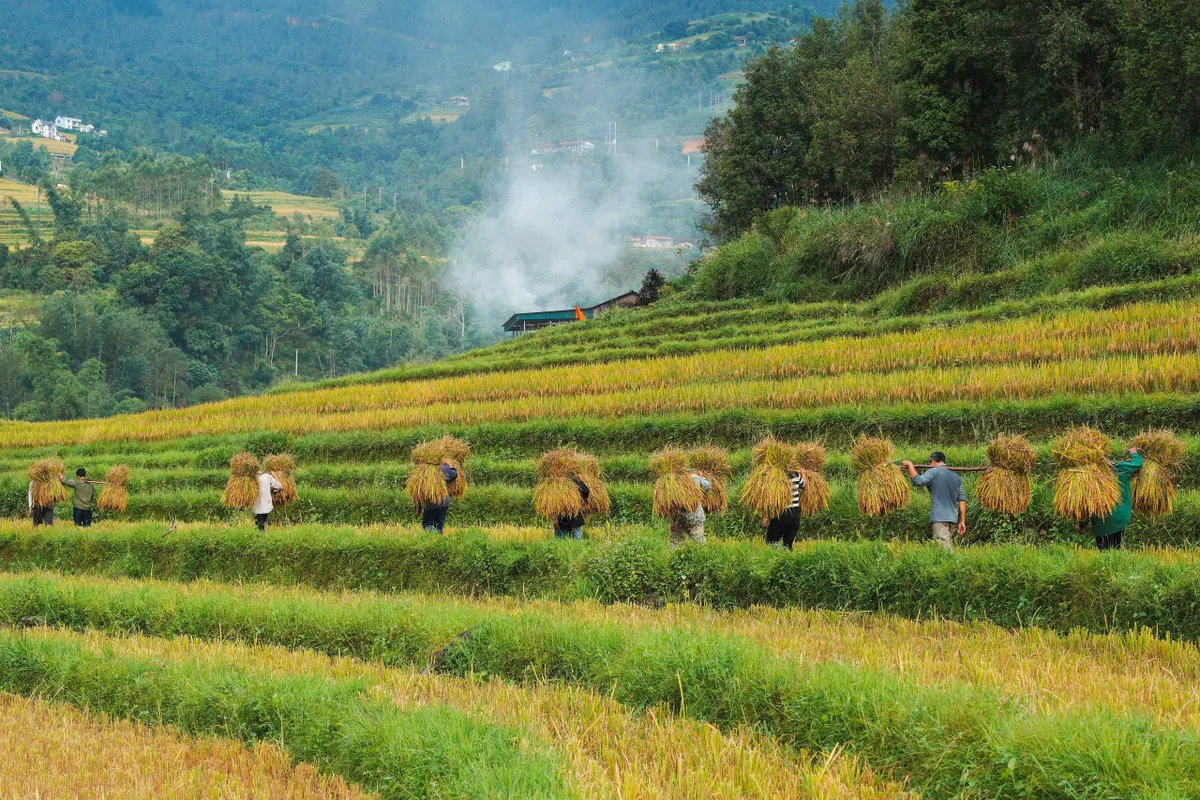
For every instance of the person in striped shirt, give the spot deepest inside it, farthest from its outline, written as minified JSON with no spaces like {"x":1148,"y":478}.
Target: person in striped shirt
{"x":782,"y":530}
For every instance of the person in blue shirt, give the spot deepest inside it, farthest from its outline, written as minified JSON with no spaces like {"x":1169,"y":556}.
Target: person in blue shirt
{"x":949,"y":509}
{"x":1110,"y":530}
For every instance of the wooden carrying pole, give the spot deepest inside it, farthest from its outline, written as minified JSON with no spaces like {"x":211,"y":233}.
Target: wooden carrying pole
{"x":952,"y":469}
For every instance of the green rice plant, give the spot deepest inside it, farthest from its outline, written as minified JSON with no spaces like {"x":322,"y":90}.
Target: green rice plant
{"x":1013,"y":586}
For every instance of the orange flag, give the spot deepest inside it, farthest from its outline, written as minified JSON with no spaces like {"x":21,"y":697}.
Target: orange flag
{"x":579,"y":314}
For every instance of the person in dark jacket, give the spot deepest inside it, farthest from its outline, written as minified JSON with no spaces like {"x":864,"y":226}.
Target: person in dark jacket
{"x":572,"y":527}
{"x":85,"y":495}
{"x":433,"y":517}
{"x":1110,"y":530}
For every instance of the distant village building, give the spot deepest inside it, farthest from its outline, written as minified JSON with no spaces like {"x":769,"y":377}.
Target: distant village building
{"x":741,"y":41}
{"x":76,"y":124}
{"x":458,"y":101}
{"x":46,"y":130}
{"x":653,"y":242}
{"x":536,"y":320}
{"x":693,"y":146}
{"x":577,"y":146}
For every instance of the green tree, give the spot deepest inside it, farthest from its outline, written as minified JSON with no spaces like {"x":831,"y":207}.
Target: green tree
{"x":651,"y":287}
{"x":1160,"y":68}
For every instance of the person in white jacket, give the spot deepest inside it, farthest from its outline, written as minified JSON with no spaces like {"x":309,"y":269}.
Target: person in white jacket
{"x":267,"y":483}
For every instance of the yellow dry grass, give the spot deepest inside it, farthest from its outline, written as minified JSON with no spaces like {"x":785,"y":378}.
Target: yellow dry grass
{"x":609,"y":752}
{"x":58,"y":751}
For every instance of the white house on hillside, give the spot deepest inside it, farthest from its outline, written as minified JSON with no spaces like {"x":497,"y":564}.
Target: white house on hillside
{"x":46,"y":130}
{"x":67,"y":123}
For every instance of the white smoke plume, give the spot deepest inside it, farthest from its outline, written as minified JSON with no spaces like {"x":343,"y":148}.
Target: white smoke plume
{"x":551,"y":239}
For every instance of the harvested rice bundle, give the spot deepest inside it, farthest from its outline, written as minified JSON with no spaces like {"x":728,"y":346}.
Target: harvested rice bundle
{"x":556,"y":496}
{"x":458,"y":486}
{"x":455,"y":452}
{"x":1154,"y":485}
{"x":242,"y":489}
{"x":1006,"y":486}
{"x":598,"y":502}
{"x":767,"y":490}
{"x":810,"y":457}
{"x":454,"y":449}
{"x":283,"y":467}
{"x":1086,"y":486}
{"x":114,"y":494}
{"x":714,"y":463}
{"x":428,"y":453}
{"x":47,"y":490}
{"x":882,"y":487}
{"x":426,"y":484}
{"x":674,"y":490}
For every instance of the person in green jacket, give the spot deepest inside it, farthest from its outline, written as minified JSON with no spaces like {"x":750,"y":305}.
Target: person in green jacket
{"x":1111,"y":529}
{"x":85,"y":493}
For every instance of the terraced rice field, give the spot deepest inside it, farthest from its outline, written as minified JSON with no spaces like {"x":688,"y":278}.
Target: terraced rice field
{"x":346,"y":650}
{"x":67,"y":148}
{"x":18,"y":308}
{"x":285,"y":204}
{"x":56,"y":750}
